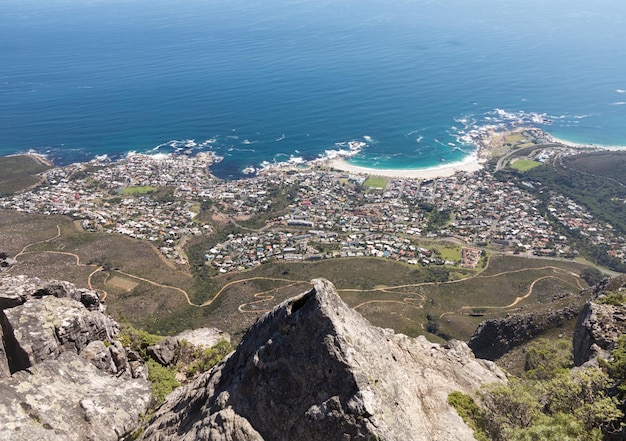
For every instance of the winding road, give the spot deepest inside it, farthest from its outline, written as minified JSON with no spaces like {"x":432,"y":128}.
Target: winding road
{"x":415,"y":301}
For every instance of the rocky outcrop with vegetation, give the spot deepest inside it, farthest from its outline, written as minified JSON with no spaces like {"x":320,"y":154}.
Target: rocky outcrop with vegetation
{"x":314,"y":369}
{"x":601,"y":323}
{"x":63,"y":373}
{"x":495,"y":337}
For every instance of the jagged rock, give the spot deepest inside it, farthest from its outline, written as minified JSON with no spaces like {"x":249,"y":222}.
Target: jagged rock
{"x":137,"y":365}
{"x":599,"y":325}
{"x":99,"y":355}
{"x":47,"y":390}
{"x":163,"y":352}
{"x":69,"y":399}
{"x":5,"y":261}
{"x":314,"y":369}
{"x":46,"y":327}
{"x":15,"y":290}
{"x":61,"y":289}
{"x":119,"y":357}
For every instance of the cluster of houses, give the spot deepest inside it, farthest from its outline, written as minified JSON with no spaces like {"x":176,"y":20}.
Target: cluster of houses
{"x":324,"y":213}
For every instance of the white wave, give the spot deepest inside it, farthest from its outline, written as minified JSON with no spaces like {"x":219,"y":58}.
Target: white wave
{"x":290,"y":162}
{"x":419,"y":139}
{"x":207,"y":143}
{"x":281,"y":138}
{"x":367,"y":138}
{"x":155,"y":156}
{"x":356,"y":145}
{"x":619,"y":103}
{"x":620,"y":90}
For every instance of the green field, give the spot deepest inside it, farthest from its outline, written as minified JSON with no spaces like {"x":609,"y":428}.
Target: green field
{"x":524,"y":164}
{"x":374,"y":182}
{"x":138,"y":190}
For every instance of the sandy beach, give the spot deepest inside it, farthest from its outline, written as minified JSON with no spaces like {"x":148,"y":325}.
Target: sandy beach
{"x":585,"y":146}
{"x":471,"y":164}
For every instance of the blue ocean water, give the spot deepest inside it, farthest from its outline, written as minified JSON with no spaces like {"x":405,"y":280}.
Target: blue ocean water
{"x":401,"y":82}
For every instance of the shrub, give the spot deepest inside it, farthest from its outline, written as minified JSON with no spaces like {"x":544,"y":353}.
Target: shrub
{"x":612,"y":298}
{"x":471,"y":414}
{"x":163,"y":380}
{"x":205,"y":359}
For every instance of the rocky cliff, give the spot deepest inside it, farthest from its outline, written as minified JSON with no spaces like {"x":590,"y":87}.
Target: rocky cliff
{"x":601,"y":322}
{"x":495,"y":337}
{"x":314,"y":369}
{"x":63,"y":375}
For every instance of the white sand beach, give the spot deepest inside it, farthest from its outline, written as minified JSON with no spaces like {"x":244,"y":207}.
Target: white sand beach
{"x":472,"y":164}
{"x":585,"y":146}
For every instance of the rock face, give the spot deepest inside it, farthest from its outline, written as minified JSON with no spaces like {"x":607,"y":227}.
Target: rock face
{"x":314,"y":369}
{"x":600,"y":325}
{"x":63,"y":376}
{"x":494,"y":338}
{"x":70,"y":399}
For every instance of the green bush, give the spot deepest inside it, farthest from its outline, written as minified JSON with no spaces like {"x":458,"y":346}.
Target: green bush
{"x":205,"y":359}
{"x":612,"y":298}
{"x":163,"y":380}
{"x":547,"y":359}
{"x":559,"y":427}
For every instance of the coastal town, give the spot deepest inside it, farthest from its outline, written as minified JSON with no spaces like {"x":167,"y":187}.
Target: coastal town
{"x":309,"y":213}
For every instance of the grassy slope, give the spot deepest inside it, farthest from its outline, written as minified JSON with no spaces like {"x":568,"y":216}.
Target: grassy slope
{"x":18,"y":173}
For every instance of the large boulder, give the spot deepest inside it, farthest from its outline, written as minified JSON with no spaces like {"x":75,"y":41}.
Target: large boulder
{"x":63,"y":376}
{"x":43,"y":328}
{"x":69,"y":399}
{"x":314,"y":369}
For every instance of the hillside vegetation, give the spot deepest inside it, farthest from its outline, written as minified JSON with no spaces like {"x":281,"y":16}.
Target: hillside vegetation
{"x":19,"y":172}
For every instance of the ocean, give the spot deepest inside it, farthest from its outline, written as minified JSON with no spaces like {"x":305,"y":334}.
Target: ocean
{"x":388,"y":84}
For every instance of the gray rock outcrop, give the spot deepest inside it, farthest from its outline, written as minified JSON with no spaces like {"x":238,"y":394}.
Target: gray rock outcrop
{"x":68,"y":399}
{"x":314,"y":369}
{"x":600,"y":325}
{"x":45,"y":327}
{"x":63,"y":376}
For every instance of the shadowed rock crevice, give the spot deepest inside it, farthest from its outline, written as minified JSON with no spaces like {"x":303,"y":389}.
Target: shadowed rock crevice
{"x":17,"y":358}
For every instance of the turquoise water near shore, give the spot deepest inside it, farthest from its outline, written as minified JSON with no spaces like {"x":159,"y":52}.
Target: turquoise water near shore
{"x":400,"y":84}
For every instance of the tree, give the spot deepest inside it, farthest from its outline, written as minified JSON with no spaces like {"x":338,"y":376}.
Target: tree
{"x":547,"y":359}
{"x":508,"y":406}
